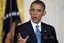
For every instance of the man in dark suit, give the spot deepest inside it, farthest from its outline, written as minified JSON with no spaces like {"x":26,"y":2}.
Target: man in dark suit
{"x":26,"y":33}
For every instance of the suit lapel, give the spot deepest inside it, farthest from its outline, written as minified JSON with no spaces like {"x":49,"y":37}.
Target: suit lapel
{"x":43,"y":28}
{"x":31,"y":32}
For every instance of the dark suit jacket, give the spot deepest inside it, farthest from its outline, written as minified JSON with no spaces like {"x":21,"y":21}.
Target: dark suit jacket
{"x":26,"y":29}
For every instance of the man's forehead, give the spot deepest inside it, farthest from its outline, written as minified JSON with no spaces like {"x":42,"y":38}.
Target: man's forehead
{"x":36,"y":6}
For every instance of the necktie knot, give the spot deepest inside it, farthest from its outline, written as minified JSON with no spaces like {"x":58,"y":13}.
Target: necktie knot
{"x":37,"y":28}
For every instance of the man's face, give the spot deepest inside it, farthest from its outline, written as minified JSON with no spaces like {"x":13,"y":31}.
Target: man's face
{"x":36,"y":12}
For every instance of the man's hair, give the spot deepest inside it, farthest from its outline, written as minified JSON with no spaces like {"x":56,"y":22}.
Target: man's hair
{"x":38,"y":2}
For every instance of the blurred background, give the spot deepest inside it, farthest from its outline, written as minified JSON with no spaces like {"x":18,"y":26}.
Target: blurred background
{"x":14,"y":12}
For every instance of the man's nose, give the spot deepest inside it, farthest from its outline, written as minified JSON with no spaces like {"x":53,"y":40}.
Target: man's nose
{"x":35,"y":12}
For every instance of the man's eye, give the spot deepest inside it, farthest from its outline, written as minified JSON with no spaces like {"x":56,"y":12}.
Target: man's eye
{"x":38,"y":10}
{"x":32,"y":9}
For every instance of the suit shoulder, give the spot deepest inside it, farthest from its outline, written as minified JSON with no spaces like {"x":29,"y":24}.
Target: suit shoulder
{"x":48,"y":25}
{"x":23,"y":25}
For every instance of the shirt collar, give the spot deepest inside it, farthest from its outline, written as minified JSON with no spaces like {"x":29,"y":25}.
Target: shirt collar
{"x":34,"y":24}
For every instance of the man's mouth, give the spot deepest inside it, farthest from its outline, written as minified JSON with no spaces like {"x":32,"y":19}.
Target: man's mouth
{"x":34,"y":18}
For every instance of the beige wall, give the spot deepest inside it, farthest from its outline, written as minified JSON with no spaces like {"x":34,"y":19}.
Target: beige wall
{"x":54,"y":15}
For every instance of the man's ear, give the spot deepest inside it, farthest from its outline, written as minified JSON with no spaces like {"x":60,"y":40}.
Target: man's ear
{"x":29,"y":10}
{"x":44,"y":13}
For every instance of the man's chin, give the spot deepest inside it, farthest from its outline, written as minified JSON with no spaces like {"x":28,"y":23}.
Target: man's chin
{"x":35,"y":21}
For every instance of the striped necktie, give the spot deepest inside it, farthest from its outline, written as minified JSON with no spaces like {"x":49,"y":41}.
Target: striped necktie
{"x":38,"y":34}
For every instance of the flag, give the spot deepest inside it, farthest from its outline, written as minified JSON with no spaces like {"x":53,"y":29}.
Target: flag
{"x":2,"y":10}
{"x":11,"y":15}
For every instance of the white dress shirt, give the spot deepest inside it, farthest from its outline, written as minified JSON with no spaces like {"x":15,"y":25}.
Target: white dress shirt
{"x":34,"y":25}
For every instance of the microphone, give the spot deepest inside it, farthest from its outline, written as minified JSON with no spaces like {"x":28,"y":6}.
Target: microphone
{"x":47,"y":36}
